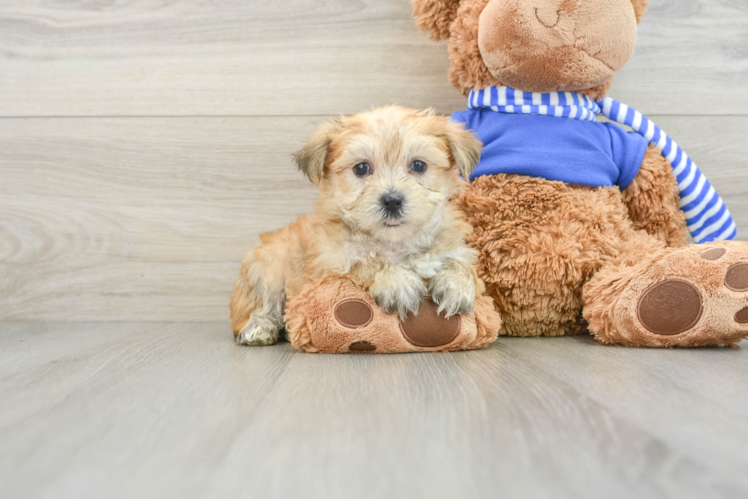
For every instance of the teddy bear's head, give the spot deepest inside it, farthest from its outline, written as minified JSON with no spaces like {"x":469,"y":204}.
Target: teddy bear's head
{"x":534,"y":45}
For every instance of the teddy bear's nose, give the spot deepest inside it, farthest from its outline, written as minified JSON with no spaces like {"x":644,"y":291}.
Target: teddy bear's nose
{"x":547,"y":14}
{"x":556,"y":13}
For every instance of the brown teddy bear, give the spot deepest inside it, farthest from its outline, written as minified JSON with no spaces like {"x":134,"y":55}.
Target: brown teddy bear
{"x":581,"y":225}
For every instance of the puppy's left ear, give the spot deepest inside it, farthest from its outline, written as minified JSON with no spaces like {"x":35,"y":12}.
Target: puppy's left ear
{"x":311,"y":158}
{"x":465,"y":147}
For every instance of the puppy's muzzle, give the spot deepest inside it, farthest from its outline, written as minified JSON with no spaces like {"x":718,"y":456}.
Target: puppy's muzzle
{"x":392,"y":204}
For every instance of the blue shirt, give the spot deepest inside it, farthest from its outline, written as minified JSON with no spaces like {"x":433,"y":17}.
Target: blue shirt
{"x":558,"y":149}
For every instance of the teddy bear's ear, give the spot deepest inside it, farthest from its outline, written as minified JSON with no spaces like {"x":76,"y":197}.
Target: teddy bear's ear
{"x":311,"y":158}
{"x":640,"y":7}
{"x":435,"y":16}
{"x":465,"y":147}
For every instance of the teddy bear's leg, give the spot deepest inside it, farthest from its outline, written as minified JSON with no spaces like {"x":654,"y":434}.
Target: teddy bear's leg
{"x":333,"y":315}
{"x":539,"y":242}
{"x":691,"y":296}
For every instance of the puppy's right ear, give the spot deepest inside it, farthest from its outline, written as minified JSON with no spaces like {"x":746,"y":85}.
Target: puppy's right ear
{"x":435,"y":16}
{"x":465,"y":147}
{"x":311,"y":158}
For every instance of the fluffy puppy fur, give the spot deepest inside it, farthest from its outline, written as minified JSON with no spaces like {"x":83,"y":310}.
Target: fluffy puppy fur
{"x":383,"y":219}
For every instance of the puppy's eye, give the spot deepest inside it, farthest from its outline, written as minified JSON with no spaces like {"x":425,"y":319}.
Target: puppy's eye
{"x":362,"y":169}
{"x":418,"y":167}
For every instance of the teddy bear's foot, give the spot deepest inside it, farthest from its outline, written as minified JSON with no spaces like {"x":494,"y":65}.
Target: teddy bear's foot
{"x":692,"y":296}
{"x":333,"y":315}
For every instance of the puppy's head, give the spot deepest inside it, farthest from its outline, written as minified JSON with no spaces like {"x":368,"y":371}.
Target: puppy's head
{"x":389,"y":172}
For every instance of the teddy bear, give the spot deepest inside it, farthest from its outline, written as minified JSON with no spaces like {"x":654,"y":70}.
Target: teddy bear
{"x":581,"y":225}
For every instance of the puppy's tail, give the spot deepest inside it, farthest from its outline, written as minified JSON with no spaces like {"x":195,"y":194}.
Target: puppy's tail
{"x":242,"y":303}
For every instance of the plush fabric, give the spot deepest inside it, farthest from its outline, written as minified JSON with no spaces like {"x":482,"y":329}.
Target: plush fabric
{"x":552,"y":45}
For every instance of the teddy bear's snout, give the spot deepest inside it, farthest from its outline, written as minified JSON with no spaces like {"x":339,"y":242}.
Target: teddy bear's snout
{"x":547,"y":45}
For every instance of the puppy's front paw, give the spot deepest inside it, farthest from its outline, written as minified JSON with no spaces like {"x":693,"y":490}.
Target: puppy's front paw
{"x":454,"y":291}
{"x":259,"y":331}
{"x":398,"y":290}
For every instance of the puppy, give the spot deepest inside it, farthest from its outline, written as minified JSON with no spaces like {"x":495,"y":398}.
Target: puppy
{"x":383,"y":219}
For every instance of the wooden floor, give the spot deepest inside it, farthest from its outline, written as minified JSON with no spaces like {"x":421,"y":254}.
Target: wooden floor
{"x":177,"y":409}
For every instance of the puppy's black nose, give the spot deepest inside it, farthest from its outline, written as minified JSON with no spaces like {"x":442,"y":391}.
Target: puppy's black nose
{"x":392,"y":203}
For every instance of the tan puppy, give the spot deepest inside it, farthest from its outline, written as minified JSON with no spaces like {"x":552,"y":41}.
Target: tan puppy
{"x":383,"y":219}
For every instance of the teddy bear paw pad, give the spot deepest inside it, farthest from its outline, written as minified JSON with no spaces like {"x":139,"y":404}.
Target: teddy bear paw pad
{"x":429,"y":328}
{"x":671,"y":307}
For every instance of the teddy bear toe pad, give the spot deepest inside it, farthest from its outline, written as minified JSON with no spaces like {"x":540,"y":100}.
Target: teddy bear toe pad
{"x":742,"y":315}
{"x":362,"y":346}
{"x":737,"y":277}
{"x":353,"y":313}
{"x":714,"y":254}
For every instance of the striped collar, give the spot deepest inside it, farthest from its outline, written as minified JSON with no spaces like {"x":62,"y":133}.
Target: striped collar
{"x":560,"y":104}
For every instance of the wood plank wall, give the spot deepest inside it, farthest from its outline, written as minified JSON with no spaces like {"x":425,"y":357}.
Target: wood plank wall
{"x":144,"y":145}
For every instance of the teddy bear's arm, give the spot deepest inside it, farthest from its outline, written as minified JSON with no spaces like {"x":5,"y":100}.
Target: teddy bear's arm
{"x":652,"y":200}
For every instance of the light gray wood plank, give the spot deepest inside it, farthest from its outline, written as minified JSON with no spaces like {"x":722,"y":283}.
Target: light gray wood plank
{"x":28,"y":346}
{"x":685,"y":51}
{"x":179,"y":410}
{"x":700,"y":383}
{"x":148,"y":218}
{"x":158,"y":209}
{"x":309,"y":58}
